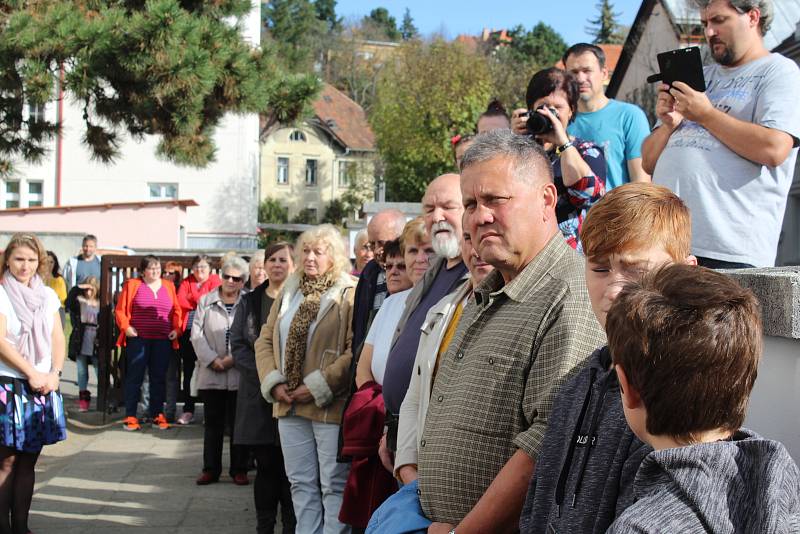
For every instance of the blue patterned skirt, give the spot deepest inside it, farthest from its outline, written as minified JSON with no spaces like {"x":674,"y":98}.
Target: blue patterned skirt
{"x":28,"y":420}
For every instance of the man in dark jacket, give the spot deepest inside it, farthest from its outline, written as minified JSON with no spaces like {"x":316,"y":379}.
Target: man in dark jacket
{"x":384,"y":226}
{"x":255,"y":426}
{"x":442,"y":210}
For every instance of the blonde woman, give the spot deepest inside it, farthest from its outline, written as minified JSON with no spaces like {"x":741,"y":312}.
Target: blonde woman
{"x":31,"y":360}
{"x":303,"y":357}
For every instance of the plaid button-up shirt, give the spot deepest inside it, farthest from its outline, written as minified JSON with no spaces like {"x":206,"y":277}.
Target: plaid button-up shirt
{"x":514,"y":346}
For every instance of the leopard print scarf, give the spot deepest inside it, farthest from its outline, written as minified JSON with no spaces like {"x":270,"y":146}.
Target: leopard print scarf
{"x":297,"y":339}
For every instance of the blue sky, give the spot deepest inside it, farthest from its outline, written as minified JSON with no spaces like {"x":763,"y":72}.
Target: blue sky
{"x":471,"y":16}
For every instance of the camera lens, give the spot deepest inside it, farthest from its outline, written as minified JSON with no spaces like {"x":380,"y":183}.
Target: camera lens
{"x":538,"y":124}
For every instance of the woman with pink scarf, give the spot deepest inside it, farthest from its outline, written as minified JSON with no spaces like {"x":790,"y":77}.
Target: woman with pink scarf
{"x":32,"y":350}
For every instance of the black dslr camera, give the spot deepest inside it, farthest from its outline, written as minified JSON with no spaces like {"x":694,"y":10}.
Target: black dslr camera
{"x":538,"y":124}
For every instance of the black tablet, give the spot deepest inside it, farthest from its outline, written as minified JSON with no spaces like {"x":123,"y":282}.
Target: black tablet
{"x":682,"y":65}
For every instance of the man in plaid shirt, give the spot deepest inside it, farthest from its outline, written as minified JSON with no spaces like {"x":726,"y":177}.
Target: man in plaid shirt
{"x":530,"y":329}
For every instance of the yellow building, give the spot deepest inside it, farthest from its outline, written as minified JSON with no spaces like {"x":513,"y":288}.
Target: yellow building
{"x":306,"y":166}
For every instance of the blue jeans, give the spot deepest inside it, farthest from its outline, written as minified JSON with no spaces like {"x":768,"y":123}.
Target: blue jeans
{"x":83,"y":370}
{"x":153,"y":355}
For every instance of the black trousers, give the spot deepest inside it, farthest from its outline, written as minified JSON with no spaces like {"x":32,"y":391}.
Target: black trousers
{"x":186,"y":361}
{"x":220,"y":411}
{"x":272,"y":487}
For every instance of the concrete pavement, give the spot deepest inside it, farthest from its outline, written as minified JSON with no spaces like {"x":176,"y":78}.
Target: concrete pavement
{"x":105,"y":479}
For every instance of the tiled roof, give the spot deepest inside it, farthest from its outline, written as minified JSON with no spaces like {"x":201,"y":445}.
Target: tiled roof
{"x":343,"y":119}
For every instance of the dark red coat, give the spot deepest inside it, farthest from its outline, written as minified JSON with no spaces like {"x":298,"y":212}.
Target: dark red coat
{"x":369,"y":483}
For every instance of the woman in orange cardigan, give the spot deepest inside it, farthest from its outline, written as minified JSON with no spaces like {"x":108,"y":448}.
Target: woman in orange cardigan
{"x":149,"y":319}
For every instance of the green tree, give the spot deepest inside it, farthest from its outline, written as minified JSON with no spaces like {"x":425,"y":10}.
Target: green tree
{"x":407,"y":30}
{"x":513,"y":65}
{"x":336,"y":213}
{"x":326,"y":12}
{"x":292,"y":29}
{"x":430,"y":92}
{"x":386,"y":24}
{"x":270,"y":210}
{"x":166,"y":68}
{"x":605,"y":28}
{"x":305,"y":216}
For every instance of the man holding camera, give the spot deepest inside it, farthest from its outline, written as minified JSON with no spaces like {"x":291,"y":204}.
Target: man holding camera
{"x":729,"y":153}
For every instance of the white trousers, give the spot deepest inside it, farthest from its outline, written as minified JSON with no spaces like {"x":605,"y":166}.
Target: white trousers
{"x":309,"y":452}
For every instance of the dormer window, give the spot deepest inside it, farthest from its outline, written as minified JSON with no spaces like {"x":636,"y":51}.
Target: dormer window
{"x":297,"y":135}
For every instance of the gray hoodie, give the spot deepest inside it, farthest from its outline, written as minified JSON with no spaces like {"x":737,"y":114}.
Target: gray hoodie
{"x":585,"y":471}
{"x":744,"y":485}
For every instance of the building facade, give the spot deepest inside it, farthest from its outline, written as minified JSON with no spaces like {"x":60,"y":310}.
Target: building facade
{"x":306,"y":166}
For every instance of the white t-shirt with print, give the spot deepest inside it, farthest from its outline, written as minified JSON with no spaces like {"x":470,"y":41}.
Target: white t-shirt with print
{"x":14,"y":327}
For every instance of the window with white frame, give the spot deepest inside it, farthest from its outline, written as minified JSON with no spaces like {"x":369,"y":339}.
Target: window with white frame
{"x":163,"y":191}
{"x":297,"y":135}
{"x":283,"y":171}
{"x":347,"y":173}
{"x":36,"y":112}
{"x":311,"y":172}
{"x":12,"y":194}
{"x":35,"y":194}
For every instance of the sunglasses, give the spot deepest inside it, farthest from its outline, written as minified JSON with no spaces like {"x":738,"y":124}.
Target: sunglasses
{"x":231,"y":277}
{"x":400,"y":266}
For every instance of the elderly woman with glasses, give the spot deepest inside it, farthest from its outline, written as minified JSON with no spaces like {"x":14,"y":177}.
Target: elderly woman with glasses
{"x":149,"y":319}
{"x":217,"y":380}
{"x":200,"y":282}
{"x":303,"y":357}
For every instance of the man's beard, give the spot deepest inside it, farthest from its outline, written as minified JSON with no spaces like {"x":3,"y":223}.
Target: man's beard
{"x":448,"y":247}
{"x":726,"y":57}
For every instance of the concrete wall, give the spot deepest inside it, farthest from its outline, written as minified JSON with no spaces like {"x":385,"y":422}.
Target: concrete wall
{"x":774,"y":409}
{"x":63,"y":244}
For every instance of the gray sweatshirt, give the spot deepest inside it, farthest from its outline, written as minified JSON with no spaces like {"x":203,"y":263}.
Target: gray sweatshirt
{"x":743,"y":485}
{"x":584,"y":474}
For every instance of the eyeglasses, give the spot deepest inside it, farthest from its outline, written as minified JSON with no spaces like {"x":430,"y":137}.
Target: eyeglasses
{"x":400,"y":266}
{"x":201,"y":267}
{"x":231,"y":277}
{"x":372,"y":245}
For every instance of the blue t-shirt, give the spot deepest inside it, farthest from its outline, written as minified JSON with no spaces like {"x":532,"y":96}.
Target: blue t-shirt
{"x":84,"y":269}
{"x":619,"y":128}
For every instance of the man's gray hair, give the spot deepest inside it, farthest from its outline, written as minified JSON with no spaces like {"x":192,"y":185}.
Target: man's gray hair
{"x":743,"y":6}
{"x":237,"y":263}
{"x":529,"y":159}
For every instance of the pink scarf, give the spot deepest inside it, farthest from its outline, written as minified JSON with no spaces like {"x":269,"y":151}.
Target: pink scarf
{"x":30,"y":305}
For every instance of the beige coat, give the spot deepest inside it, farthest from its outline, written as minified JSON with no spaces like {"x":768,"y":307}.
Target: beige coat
{"x":327,"y":363}
{"x":415,"y":404}
{"x":208,"y":339}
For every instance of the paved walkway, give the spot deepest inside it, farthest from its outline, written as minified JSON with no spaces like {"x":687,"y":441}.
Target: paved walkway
{"x":104,"y":479}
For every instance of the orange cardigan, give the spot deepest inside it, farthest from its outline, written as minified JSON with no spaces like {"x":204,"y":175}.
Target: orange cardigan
{"x":122,"y":313}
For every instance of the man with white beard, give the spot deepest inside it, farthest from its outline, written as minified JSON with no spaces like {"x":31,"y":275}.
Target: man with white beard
{"x":442,"y":209}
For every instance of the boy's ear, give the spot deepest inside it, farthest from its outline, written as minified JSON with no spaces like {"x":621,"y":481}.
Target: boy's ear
{"x":630,"y":397}
{"x":690,"y":260}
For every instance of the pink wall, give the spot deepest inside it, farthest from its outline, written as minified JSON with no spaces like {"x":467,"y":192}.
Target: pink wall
{"x":133,"y":226}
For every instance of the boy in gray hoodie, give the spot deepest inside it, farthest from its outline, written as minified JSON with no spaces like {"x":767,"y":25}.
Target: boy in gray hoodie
{"x":589,"y":458}
{"x":685,"y":342}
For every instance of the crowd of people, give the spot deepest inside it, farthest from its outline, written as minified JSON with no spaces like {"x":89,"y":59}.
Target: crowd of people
{"x":540,"y":351}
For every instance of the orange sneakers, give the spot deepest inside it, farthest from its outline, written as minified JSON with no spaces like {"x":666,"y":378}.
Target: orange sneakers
{"x":131,"y":423}
{"x":160,"y":422}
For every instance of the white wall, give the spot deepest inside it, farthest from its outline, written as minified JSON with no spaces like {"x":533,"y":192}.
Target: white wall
{"x":774,"y":410}
{"x":226,"y":191}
